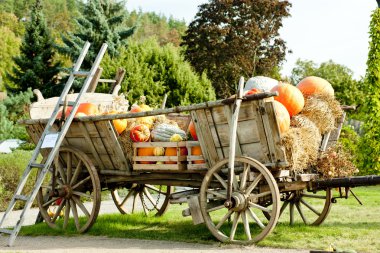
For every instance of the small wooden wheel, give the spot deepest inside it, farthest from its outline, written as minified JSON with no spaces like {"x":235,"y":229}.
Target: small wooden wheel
{"x":253,"y":187}
{"x":73,"y":188}
{"x":150,"y":198}
{"x":312,"y":208}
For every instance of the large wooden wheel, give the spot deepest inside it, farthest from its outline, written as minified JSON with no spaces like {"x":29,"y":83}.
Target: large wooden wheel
{"x":72,"y":191}
{"x":307,"y":207}
{"x":253,"y":187}
{"x":152,"y":199}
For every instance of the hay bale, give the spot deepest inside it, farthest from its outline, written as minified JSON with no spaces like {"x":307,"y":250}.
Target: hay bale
{"x":318,"y":111}
{"x":301,"y":143}
{"x":127,"y":145}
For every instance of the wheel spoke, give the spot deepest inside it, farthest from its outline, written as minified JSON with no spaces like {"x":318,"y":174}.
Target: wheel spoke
{"x":263,"y":194}
{"x":142,"y":203}
{"x":82,"y":194}
{"x":69,"y":167}
{"x":50,"y":201}
{"x":262,"y":208}
{"x":76,"y":172}
{"x":215,"y":208}
{"x":301,"y":212}
{"x":127,"y":197}
{"x":67,"y":214}
{"x":291,"y":213}
{"x":283,"y":207}
{"x":61,"y":171}
{"x":82,"y":182}
{"x":58,"y":212}
{"x":217,"y":194}
{"x":243,"y":180}
{"x":155,"y":189}
{"x":221,"y":180}
{"x":310,"y":207}
{"x":150,"y":198}
{"x":246,"y":225}
{"x":75,"y":214}
{"x":134,"y":202}
{"x":81,"y":206}
{"x":235,"y":182}
{"x":225,"y":217}
{"x":255,"y":218}
{"x":254,"y":184}
{"x":234,"y":225}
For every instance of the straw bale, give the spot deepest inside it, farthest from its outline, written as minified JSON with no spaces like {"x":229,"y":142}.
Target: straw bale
{"x":319,"y":112}
{"x":127,"y":144}
{"x":301,"y":143}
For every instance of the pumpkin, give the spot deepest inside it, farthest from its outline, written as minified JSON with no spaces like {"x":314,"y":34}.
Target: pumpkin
{"x":290,"y":97}
{"x":145,"y":152}
{"x":173,"y":152}
{"x":252,"y":91}
{"x":84,"y":109}
{"x":315,"y":85}
{"x":139,"y":133}
{"x":261,"y":83}
{"x":164,"y":131}
{"x":282,"y":115}
{"x":192,"y":131}
{"x":119,"y":124}
{"x":135,"y":108}
{"x":197,"y":151}
{"x":159,"y":151}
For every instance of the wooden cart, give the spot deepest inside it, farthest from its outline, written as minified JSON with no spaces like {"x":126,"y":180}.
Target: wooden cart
{"x":237,"y":191}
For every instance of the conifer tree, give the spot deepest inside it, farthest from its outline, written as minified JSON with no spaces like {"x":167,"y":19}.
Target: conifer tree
{"x":101,"y":23}
{"x":35,"y":67}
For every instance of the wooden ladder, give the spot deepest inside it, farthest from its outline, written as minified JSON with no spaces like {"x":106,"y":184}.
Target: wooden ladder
{"x":52,"y":140}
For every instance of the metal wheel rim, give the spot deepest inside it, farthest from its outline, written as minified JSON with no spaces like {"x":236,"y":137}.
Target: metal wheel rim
{"x":72,"y":204}
{"x":140,"y":195}
{"x":244,"y":213}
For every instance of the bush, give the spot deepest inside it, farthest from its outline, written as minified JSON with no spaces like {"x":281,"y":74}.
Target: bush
{"x":12,"y":167}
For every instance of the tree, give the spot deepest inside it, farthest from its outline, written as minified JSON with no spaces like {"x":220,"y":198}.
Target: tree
{"x":348,"y":91}
{"x":150,"y":24}
{"x":35,"y":67}
{"x":229,"y":39}
{"x":370,"y":142}
{"x":102,"y":22}
{"x":153,"y":70}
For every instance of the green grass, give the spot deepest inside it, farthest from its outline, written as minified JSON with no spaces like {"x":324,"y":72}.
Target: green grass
{"x":349,"y":226}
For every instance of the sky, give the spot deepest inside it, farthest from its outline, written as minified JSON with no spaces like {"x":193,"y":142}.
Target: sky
{"x":318,"y":30}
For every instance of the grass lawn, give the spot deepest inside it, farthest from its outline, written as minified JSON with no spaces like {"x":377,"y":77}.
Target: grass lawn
{"x":349,"y":226}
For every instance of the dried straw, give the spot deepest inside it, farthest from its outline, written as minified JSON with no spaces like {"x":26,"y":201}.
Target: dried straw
{"x":127,"y":144}
{"x":336,"y":162}
{"x":301,"y":143}
{"x":319,"y":112}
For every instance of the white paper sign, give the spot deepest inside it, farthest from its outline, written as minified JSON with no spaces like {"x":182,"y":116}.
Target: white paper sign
{"x":50,"y":140}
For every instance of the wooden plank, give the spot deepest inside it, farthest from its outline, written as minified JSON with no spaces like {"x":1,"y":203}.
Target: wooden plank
{"x":203,"y":131}
{"x":91,"y":145}
{"x":160,"y":144}
{"x":155,"y":159}
{"x":195,"y":209}
{"x":159,"y":167}
{"x":116,"y":149}
{"x":104,"y":143}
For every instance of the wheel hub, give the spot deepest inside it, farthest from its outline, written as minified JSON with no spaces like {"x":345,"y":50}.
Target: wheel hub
{"x":239,"y":202}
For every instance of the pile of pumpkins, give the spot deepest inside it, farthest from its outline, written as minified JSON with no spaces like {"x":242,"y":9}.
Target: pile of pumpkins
{"x":291,"y":99}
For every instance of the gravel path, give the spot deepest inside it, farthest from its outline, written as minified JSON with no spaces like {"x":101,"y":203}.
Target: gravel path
{"x":101,"y":244}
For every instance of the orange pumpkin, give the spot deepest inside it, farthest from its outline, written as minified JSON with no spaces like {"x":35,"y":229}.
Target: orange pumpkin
{"x":145,"y":152}
{"x":315,"y":85}
{"x":173,"y":152}
{"x":119,"y":124}
{"x":290,"y":97}
{"x":197,"y":151}
{"x":192,"y":131}
{"x":282,"y":115}
{"x":84,"y":109}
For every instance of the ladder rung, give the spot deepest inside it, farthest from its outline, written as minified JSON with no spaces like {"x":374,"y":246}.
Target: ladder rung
{"x":6,"y":231}
{"x":71,"y":103}
{"x":37,"y":165}
{"x":107,"y":81}
{"x":81,"y":73}
{"x":21,"y":197}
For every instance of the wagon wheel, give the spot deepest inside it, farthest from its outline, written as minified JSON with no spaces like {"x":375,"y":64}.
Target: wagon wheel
{"x":150,"y":198}
{"x":307,"y":207}
{"x":253,"y":187}
{"x":76,"y":192}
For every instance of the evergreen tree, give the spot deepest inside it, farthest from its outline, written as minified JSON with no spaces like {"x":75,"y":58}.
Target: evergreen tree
{"x":101,"y":22}
{"x":153,"y":70}
{"x":35,"y":67}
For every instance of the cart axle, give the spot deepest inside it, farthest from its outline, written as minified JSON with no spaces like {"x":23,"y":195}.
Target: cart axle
{"x":345,"y":182}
